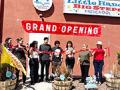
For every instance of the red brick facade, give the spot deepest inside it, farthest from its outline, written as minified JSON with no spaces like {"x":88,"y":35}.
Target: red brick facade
{"x":17,"y":10}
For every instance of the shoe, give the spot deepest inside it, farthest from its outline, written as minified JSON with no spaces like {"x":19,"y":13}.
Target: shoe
{"x":32,"y":83}
{"x":99,"y":83}
{"x":47,"y":80}
{"x":41,"y":80}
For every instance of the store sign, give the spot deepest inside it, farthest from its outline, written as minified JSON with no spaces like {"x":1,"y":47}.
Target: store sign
{"x":93,"y":7}
{"x":61,"y":28}
{"x":42,"y":5}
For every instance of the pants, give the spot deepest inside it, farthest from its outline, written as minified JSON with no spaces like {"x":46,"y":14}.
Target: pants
{"x":84,"y":71}
{"x":17,"y":76}
{"x":46,"y":64}
{"x":70,"y":61}
{"x":56,"y":66}
{"x":23,"y":61}
{"x":34,"y":66}
{"x":98,"y":67}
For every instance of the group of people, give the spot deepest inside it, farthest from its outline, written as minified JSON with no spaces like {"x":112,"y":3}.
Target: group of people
{"x":44,"y":54}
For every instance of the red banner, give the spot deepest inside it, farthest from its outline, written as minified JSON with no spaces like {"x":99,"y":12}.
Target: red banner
{"x":61,"y":28}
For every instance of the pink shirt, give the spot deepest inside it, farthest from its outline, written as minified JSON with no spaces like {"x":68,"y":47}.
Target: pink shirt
{"x":99,"y":54}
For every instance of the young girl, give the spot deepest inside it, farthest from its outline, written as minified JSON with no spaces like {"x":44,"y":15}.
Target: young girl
{"x":34,"y":63}
{"x":70,"y":59}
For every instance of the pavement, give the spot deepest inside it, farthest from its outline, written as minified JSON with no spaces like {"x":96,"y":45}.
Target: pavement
{"x":48,"y":86}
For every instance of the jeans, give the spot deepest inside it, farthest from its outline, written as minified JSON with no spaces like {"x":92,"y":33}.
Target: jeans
{"x":45,"y":64}
{"x":84,"y":71}
{"x":98,"y":67}
{"x":34,"y":66}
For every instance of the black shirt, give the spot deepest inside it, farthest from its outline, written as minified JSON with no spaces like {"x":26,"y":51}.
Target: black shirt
{"x":45,"y":49}
{"x":57,"y":53}
{"x":19,"y":52}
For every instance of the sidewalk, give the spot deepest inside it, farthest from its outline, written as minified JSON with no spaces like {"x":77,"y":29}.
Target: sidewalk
{"x":48,"y":86}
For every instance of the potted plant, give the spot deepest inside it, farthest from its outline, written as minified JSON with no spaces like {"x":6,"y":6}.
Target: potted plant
{"x":63,"y":81}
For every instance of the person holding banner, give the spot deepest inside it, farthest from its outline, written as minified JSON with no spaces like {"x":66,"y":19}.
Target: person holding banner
{"x":70,"y":59}
{"x":56,"y":57}
{"x":45,"y":50}
{"x":34,"y":63}
{"x":98,"y":61}
{"x":20,"y":52}
{"x":84,"y":58}
{"x":8,"y":44}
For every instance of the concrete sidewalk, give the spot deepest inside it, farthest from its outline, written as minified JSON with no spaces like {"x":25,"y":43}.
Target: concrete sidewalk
{"x":48,"y":86}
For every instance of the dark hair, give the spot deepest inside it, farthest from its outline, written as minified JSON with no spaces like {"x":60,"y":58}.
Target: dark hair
{"x":46,"y":38}
{"x":7,"y":39}
{"x":100,"y":46}
{"x":33,"y":44}
{"x":68,"y":43}
{"x":56,"y":42}
{"x":19,"y":39}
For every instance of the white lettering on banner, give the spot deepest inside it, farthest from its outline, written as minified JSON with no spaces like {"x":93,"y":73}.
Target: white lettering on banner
{"x":41,"y":27}
{"x":81,"y":29}
{"x":75,"y":29}
{"x":35,"y":26}
{"x":28,"y":26}
{"x":69,"y":29}
{"x":95,"y":31}
{"x":48,"y":27}
{"x":90,"y":30}
{"x":54,"y":28}
{"x":63,"y":30}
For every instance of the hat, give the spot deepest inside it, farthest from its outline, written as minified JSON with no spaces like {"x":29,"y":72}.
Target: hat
{"x":99,"y":42}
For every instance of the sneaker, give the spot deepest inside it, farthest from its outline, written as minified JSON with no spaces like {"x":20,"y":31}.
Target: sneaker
{"x":99,"y":83}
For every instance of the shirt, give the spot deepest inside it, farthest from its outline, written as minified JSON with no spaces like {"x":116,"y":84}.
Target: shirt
{"x":45,"y":49}
{"x":9,"y":46}
{"x":99,"y":54}
{"x":70,"y":52}
{"x":19,"y":52}
{"x":57,"y":53}
{"x":85,"y":55}
{"x":34,"y":54}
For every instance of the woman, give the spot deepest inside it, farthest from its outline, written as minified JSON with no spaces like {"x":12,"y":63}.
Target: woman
{"x":8,"y":44}
{"x":98,"y":62}
{"x":56,"y":57}
{"x":84,"y":58}
{"x":70,"y":59}
{"x":34,"y":63}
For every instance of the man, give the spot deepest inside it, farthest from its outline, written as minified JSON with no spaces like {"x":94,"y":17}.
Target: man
{"x":45,"y":50}
{"x":56,"y":57}
{"x":20,"y":52}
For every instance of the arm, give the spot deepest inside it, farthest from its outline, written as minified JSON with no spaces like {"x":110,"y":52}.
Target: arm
{"x":66,"y":51}
{"x":31,"y":51}
{"x":90,"y":53}
{"x":105,"y":54}
{"x":78,"y":60}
